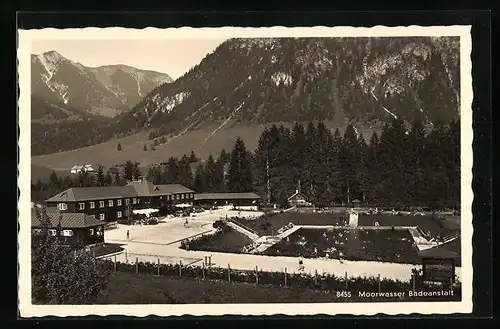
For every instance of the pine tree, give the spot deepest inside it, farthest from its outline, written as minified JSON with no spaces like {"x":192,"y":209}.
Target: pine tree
{"x":136,"y":172}
{"x":54,"y":180}
{"x":171,"y":172}
{"x":199,"y":183}
{"x":128,"y":171}
{"x":119,"y":146}
{"x":108,"y":180}
{"x":209,"y":174}
{"x":185,"y":173}
{"x":240,"y":173}
{"x":193,"y":158}
{"x":100,"y":176}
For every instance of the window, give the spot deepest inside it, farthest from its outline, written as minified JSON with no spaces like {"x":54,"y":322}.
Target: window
{"x":37,"y":231}
{"x":62,"y":206}
{"x":119,"y":214}
{"x":52,"y":232}
{"x":101,"y":216}
{"x":91,"y":231}
{"x":92,"y":205}
{"x":99,"y":230}
{"x":127,"y":201}
{"x":119,"y":202}
{"x":101,"y":204}
{"x":134,"y":201}
{"x":81,"y":206}
{"x":110,"y":203}
{"x":67,"y":233}
{"x":177,"y":197}
{"x":182,"y":196}
{"x":168,"y":197}
{"x":192,"y":195}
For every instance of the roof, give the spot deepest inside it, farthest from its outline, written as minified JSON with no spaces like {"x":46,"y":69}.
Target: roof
{"x":93,"y":193}
{"x":133,"y":189}
{"x":297,"y":194}
{"x":69,"y":220}
{"x":226,"y":196}
{"x":145,"y":188}
{"x":76,"y":167}
{"x":170,"y":189}
{"x":438,"y":252}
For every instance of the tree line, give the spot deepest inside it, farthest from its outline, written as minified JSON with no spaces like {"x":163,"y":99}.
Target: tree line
{"x":404,"y":165}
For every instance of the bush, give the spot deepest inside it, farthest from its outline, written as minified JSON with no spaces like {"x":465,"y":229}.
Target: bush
{"x":324,"y":282}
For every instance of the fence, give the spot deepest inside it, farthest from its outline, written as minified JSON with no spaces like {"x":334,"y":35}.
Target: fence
{"x":204,"y":270}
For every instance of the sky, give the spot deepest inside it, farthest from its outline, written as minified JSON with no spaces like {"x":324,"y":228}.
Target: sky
{"x":171,"y":56}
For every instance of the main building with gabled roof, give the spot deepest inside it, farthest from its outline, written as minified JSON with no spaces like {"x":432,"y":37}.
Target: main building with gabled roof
{"x":111,"y":203}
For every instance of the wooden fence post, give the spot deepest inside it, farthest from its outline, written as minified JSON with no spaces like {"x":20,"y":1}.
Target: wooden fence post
{"x":285,"y":276}
{"x":115,"y":264}
{"x":315,"y":277}
{"x":378,"y":281}
{"x":203,"y":271}
{"x":229,"y":272}
{"x":413,"y":281}
{"x":137,"y":265}
{"x":126,"y":256}
{"x":180,"y":268}
{"x":346,"y":280}
{"x":256,"y":275}
{"x":158,"y":266}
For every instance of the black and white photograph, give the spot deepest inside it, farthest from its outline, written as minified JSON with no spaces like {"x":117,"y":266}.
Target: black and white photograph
{"x":255,"y":171}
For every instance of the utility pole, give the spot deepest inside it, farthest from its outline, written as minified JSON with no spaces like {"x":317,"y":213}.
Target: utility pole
{"x":268,"y":180}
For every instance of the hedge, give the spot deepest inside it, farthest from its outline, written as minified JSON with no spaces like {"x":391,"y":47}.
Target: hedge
{"x":324,"y":282}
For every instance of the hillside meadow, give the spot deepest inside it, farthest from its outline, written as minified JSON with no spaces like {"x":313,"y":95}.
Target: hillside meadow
{"x":205,"y":141}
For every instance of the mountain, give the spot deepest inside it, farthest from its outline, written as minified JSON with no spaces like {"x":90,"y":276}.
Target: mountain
{"x":105,"y":91}
{"x":365,"y":81}
{"x":73,"y":105}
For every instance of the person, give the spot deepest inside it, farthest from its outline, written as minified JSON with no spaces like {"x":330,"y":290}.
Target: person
{"x":186,"y":223}
{"x":301,"y":263}
{"x":128,"y":234}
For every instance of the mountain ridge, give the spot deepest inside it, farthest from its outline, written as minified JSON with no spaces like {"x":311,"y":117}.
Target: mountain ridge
{"x":107,"y":90}
{"x":261,"y":80}
{"x":74,"y":106}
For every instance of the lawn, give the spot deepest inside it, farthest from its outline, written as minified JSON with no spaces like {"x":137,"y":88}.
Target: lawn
{"x":227,"y":240}
{"x":127,"y":288}
{"x":435,"y":226}
{"x":368,"y":245}
{"x":270,"y":223}
{"x":105,"y":249}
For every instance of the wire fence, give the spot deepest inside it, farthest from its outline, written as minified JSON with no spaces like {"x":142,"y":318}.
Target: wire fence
{"x":204,"y":269}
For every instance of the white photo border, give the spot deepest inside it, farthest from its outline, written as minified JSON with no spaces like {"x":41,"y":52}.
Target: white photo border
{"x":27,"y":309}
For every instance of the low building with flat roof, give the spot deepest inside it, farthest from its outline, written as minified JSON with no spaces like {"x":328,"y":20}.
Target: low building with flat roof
{"x":243,"y":200}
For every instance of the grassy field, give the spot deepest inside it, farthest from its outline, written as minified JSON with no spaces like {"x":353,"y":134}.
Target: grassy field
{"x":269,"y":224}
{"x":226,"y":241}
{"x":106,"y":154}
{"x":126,"y":288}
{"x":201,"y":141}
{"x":42,"y":173}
